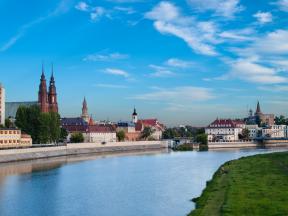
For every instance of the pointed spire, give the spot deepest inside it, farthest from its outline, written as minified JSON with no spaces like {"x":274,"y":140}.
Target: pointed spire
{"x":43,"y":73}
{"x":258,"y":109}
{"x":52,"y":71}
{"x":134,"y":113}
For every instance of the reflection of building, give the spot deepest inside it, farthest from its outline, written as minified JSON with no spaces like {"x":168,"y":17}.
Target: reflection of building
{"x":47,"y":100}
{"x":2,"y":105}
{"x":13,"y":138}
{"x":224,"y":130}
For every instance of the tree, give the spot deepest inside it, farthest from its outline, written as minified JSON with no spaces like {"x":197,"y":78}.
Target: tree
{"x":63,"y":135}
{"x":202,"y":139}
{"x":8,"y":123}
{"x":121,"y":135}
{"x":147,"y":132}
{"x":77,"y":138}
{"x":281,"y":120}
{"x":43,"y":127}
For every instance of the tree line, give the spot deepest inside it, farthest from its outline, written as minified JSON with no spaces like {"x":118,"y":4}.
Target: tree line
{"x":42,"y":127}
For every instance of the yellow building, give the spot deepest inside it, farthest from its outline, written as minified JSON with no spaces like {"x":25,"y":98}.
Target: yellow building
{"x":13,"y":138}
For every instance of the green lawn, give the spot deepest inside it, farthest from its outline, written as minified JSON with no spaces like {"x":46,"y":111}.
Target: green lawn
{"x":256,"y":185}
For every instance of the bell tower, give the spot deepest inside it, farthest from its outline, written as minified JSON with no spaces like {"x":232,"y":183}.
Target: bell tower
{"x":52,"y":96}
{"x":85,"y":115}
{"x":42,"y":94}
{"x":134,"y":116}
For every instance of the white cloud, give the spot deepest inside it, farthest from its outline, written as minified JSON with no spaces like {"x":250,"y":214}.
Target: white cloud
{"x":97,"y":13}
{"x":160,"y":71}
{"x":113,"y":86}
{"x":200,"y":36}
{"x":178,"y":63}
{"x":105,"y":57}
{"x":82,"y":6}
{"x":127,"y":10}
{"x":117,"y":72}
{"x":225,"y":8}
{"x":185,"y":93}
{"x":238,"y":35}
{"x":282,"y":4}
{"x":274,"y":88}
{"x":62,"y":7}
{"x":263,"y":17}
{"x":251,"y":71}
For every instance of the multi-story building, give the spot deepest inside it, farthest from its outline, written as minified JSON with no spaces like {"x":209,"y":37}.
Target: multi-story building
{"x":253,"y":131}
{"x":13,"y":138}
{"x":275,"y":131}
{"x":92,"y":133}
{"x":2,"y":105}
{"x":224,"y":130}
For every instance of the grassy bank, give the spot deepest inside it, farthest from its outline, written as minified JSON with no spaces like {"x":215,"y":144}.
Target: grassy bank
{"x":256,"y":185}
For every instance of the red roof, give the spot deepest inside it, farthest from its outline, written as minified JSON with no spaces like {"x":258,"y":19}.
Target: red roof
{"x":225,"y":123}
{"x":150,"y":123}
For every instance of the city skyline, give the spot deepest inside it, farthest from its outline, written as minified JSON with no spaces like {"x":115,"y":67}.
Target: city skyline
{"x":164,"y":57}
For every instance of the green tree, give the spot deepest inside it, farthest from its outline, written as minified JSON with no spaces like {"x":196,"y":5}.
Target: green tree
{"x":147,"y":132}
{"x":281,"y":120}
{"x":63,"y":134}
{"x":77,"y":138}
{"x":8,"y":123}
{"x":121,"y":135}
{"x":202,"y":139}
{"x":43,"y":127}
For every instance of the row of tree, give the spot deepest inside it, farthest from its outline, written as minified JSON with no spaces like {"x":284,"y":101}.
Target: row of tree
{"x":181,"y":132}
{"x":43,"y":127}
{"x":281,"y":120}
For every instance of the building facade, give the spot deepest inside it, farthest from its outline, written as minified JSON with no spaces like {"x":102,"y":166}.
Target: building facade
{"x":2,"y":105}
{"x":13,"y":138}
{"x":47,"y":100}
{"x":224,"y":130}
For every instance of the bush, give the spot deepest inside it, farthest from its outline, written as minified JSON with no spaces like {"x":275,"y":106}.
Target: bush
{"x":77,"y":138}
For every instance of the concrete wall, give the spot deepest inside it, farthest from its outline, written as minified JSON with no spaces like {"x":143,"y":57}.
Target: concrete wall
{"x":81,"y":148}
{"x":216,"y":145}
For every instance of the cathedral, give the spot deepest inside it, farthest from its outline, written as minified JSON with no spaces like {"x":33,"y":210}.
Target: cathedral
{"x":47,"y":100}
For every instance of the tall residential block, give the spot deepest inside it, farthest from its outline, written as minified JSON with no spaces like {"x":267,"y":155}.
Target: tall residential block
{"x":2,"y":105}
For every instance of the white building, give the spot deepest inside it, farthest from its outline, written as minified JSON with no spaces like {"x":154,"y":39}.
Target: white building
{"x":224,"y":130}
{"x":253,"y":131}
{"x":275,"y":131}
{"x":2,"y":105}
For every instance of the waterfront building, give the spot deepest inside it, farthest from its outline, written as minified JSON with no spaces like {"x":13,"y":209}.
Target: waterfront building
{"x":157,"y":127}
{"x":47,"y":100}
{"x":2,"y":105}
{"x":253,"y":131}
{"x":224,"y":130}
{"x":13,"y":138}
{"x":95,"y":133}
{"x":275,"y":131}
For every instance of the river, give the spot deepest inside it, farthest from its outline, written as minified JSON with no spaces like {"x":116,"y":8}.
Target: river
{"x":145,"y":184}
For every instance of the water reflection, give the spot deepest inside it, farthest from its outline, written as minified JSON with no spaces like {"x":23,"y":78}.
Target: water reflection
{"x":147,"y":183}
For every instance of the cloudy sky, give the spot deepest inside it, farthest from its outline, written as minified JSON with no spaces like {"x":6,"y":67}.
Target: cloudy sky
{"x":184,"y":61}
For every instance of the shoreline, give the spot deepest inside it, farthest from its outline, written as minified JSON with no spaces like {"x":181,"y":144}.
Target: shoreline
{"x":14,"y":155}
{"x":244,"y":186}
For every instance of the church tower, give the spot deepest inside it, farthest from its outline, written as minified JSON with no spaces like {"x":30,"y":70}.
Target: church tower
{"x":85,"y":115}
{"x":52,"y":96}
{"x":42,"y":94}
{"x":258,"y":109}
{"x":134,"y":116}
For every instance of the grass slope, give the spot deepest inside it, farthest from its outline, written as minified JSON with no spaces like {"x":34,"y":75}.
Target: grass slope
{"x":255,"y":185}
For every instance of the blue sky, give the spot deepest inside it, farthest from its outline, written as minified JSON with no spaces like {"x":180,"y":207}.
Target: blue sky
{"x":184,"y":62}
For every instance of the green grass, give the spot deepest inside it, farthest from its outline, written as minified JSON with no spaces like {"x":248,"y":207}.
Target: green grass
{"x":255,"y":185}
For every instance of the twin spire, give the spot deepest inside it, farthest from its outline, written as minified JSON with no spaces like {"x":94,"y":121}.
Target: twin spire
{"x":47,"y":100}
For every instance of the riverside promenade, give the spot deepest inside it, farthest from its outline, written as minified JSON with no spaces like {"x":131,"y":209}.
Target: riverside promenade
{"x":11,"y":155}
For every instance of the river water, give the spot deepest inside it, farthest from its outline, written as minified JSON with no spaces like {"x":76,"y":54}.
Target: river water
{"x":146,"y":184}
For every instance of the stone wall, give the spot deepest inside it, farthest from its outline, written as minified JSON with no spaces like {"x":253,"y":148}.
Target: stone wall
{"x":75,"y":149}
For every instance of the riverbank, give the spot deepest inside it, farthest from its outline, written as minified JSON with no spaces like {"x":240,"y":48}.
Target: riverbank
{"x":255,"y":185}
{"x":12,"y":155}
